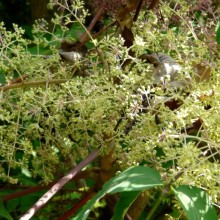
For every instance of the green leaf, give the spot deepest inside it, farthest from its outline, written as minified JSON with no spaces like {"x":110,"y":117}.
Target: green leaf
{"x":12,"y":204}
{"x":218,"y":32}
{"x":2,"y":77}
{"x":133,"y":179}
{"x":3,"y":212}
{"x":27,"y":201}
{"x":75,"y":31}
{"x":36,"y":50}
{"x":195,"y":202}
{"x":125,"y":201}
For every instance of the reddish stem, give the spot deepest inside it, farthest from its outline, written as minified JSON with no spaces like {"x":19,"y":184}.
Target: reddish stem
{"x":76,"y":207}
{"x":92,"y":24}
{"x":25,"y":192}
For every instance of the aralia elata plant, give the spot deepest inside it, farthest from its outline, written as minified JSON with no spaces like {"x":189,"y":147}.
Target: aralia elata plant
{"x":57,"y":112}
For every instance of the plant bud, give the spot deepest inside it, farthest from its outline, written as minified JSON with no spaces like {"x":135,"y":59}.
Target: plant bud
{"x":71,"y":56}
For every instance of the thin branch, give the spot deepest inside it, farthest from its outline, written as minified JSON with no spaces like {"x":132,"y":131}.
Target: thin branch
{"x":49,"y":194}
{"x":26,"y":192}
{"x":92,"y":24}
{"x":94,"y":36}
{"x":33,"y":83}
{"x":138,"y":10}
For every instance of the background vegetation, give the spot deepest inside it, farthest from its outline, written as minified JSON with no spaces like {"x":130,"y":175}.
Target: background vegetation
{"x":77,"y":97}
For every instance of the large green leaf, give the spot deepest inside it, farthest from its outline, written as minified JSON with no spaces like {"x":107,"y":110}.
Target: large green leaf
{"x":133,"y":179}
{"x":195,"y":202}
{"x":218,"y":32}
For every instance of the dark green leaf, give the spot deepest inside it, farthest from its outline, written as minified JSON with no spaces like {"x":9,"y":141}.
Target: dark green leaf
{"x":2,"y":77}
{"x":75,"y":31}
{"x":12,"y":204}
{"x":125,"y":201}
{"x":3,"y":212}
{"x":218,"y":32}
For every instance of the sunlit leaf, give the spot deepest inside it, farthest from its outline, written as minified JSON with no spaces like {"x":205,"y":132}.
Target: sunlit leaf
{"x":195,"y":202}
{"x":133,"y":179}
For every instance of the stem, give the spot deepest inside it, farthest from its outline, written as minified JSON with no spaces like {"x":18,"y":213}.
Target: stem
{"x":33,"y":83}
{"x":155,"y":206}
{"x":138,"y":10}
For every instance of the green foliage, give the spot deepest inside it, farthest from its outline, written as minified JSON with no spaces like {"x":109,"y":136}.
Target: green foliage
{"x":195,"y":202}
{"x":46,"y":128}
{"x":3,"y":212}
{"x":124,"y":203}
{"x":133,"y":179}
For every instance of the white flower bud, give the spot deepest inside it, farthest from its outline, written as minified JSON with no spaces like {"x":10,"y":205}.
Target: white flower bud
{"x":71,"y":56}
